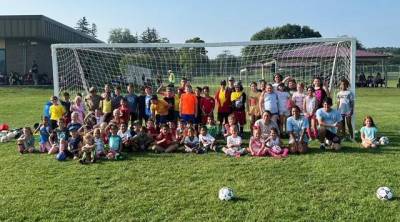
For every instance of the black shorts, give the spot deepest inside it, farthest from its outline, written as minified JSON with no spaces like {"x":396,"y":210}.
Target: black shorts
{"x":223,"y":116}
{"x":332,"y":137}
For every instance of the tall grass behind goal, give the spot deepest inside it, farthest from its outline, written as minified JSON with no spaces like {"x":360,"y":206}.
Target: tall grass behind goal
{"x":77,"y":67}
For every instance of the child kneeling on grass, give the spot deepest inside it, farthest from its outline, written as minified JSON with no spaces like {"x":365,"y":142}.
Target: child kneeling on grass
{"x":233,"y":143}
{"x":274,"y":145}
{"x":369,"y":132}
{"x":26,"y":143}
{"x":165,"y":141}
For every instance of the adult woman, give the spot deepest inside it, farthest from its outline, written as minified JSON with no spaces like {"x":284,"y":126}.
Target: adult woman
{"x":223,"y":100}
{"x":238,"y":98}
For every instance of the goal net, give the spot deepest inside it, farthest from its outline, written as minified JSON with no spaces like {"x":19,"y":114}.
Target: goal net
{"x":77,"y":67}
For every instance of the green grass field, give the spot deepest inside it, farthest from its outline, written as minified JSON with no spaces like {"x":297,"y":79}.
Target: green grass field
{"x":319,"y":186}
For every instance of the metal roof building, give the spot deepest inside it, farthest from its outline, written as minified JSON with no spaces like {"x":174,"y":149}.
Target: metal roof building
{"x":26,"y":39}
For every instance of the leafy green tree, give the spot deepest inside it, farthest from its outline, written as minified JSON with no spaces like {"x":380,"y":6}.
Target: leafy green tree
{"x":83,"y":26}
{"x":120,"y":35}
{"x":193,"y":61}
{"x":150,"y":35}
{"x":288,"y":31}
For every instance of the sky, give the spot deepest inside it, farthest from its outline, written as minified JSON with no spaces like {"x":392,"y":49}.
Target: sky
{"x":374,"y":23}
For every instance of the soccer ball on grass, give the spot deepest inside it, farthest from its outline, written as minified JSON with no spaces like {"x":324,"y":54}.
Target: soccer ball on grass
{"x":384,"y":193}
{"x":384,"y":140}
{"x":226,"y":193}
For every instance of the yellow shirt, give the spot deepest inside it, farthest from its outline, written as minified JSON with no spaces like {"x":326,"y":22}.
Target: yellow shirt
{"x":106,"y":106}
{"x":221,"y":97}
{"x":235,"y":95}
{"x":56,"y":112}
{"x":161,"y":108}
{"x":176,"y":103}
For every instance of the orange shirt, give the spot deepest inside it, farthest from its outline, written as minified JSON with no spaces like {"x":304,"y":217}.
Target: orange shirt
{"x":188,"y":103}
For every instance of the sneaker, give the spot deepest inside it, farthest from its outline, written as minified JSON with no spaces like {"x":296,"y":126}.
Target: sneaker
{"x":322,"y":147}
{"x":81,"y":161}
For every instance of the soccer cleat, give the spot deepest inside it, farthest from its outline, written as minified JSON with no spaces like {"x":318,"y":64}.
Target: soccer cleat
{"x":322,"y":147}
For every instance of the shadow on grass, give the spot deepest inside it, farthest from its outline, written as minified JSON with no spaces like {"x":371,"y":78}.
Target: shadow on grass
{"x":239,"y":199}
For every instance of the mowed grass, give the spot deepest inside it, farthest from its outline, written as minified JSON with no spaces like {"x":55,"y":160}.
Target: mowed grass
{"x":319,"y":186}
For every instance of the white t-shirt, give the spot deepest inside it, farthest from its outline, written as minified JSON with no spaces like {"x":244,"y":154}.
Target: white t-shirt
{"x":311,"y":103}
{"x":283,"y":98}
{"x":265,"y":128}
{"x":346,"y":99}
{"x":206,"y":140}
{"x":298,"y":99}
{"x":236,"y":142}
{"x":124,"y":135}
{"x":273,"y":142}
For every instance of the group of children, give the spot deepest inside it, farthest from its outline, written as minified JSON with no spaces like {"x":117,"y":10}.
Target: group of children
{"x":103,"y":126}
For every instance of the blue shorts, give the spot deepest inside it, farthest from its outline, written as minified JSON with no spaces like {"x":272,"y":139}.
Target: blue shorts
{"x":161,"y":119}
{"x":188,"y":118}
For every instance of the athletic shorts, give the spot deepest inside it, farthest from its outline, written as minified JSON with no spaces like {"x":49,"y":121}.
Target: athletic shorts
{"x":332,"y":137}
{"x":222,"y":116}
{"x":187,"y":118}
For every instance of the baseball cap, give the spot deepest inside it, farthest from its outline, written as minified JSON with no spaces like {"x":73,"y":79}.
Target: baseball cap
{"x":231,"y":78}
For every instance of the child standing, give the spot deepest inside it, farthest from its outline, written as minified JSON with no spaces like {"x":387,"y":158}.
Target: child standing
{"x":269,"y":102}
{"x":369,"y":133}
{"x":26,"y":142}
{"x":257,"y":144}
{"x":274,"y":145}
{"x":310,"y":106}
{"x":252,"y":105}
{"x":207,"y":105}
{"x":238,"y":99}
{"x":233,"y":144}
{"x":56,"y":112}
{"x":44,"y":131}
{"x":283,"y":102}
{"x":345,"y":104}
{"x":106,"y":107}
{"x":298,"y":97}
{"x":88,"y":149}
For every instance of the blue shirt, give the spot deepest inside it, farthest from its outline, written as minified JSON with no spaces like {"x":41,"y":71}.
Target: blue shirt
{"x":44,"y":134}
{"x":132,"y":102}
{"x":46,"y":109}
{"x":114,"y":142}
{"x":147,"y":105}
{"x":297,"y":125}
{"x":369,"y":132}
{"x":271,"y":102}
{"x":330,"y":118}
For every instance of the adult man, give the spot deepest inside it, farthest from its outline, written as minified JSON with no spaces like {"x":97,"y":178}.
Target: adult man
{"x":35,"y":72}
{"x":266,"y":124}
{"x":188,"y":105}
{"x":92,"y":100}
{"x":329,"y":120}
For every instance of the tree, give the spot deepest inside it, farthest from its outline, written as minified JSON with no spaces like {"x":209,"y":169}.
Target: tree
{"x":150,"y":35}
{"x":193,"y":61}
{"x":83,"y":26}
{"x":120,"y":35}
{"x":288,"y":31}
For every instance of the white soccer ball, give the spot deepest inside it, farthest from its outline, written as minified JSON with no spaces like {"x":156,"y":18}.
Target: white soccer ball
{"x":226,"y":193}
{"x":276,"y":149}
{"x":384,"y":140}
{"x":384,"y":193}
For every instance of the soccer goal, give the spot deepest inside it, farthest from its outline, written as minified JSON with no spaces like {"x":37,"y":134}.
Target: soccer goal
{"x":77,"y":67}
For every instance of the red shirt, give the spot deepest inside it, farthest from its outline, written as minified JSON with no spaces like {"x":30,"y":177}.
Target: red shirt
{"x":153,"y":132}
{"x":167,"y":142}
{"x":125,"y":113}
{"x":207,"y":104}
{"x":226,"y":107}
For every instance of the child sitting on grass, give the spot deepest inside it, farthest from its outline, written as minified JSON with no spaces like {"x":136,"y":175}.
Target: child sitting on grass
{"x":257,"y":144}
{"x":74,"y":143}
{"x":231,"y":122}
{"x":274,"y":145}
{"x":99,"y":144}
{"x":207,"y":142}
{"x":233,"y":143}
{"x":114,"y":143}
{"x":26,"y":142}
{"x":141,"y":141}
{"x":191,"y":142}
{"x":165,"y":141}
{"x":88,"y":149}
{"x":212,"y":128}
{"x":151,"y":129}
{"x":125,"y":135}
{"x":369,"y":133}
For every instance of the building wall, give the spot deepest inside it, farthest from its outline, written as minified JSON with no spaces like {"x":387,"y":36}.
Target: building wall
{"x":20,"y":54}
